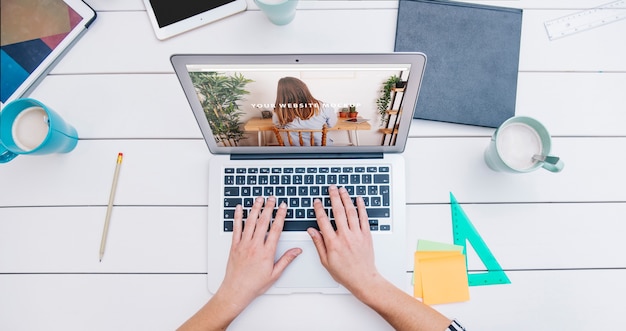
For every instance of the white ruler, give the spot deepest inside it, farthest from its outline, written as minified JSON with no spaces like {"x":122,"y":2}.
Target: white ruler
{"x":586,"y":19}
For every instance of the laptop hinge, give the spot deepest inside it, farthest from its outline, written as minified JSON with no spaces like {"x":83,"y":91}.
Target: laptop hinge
{"x":279,"y":156}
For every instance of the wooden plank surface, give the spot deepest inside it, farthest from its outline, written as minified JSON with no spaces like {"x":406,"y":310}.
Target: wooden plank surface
{"x":558,"y":236}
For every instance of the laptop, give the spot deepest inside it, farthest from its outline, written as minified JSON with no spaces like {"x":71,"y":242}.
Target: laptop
{"x":233,"y":98}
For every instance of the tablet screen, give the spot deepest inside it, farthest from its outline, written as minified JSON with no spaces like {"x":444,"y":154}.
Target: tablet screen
{"x":35,"y":33}
{"x":168,"y":12}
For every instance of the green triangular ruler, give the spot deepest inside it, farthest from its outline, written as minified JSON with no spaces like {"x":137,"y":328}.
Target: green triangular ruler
{"x":464,"y":231}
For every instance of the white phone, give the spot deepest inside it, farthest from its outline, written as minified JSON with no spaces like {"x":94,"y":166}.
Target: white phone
{"x":169,"y":18}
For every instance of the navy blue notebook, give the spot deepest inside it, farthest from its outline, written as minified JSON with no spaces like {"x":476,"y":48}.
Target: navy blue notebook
{"x":473,"y":59}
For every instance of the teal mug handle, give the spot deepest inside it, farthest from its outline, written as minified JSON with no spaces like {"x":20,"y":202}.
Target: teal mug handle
{"x":5,"y":154}
{"x":551,"y":163}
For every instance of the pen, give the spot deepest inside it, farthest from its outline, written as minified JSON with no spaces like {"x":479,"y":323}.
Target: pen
{"x":107,"y":218}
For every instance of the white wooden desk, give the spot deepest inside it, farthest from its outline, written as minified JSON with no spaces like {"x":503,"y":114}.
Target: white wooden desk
{"x":559,"y":236}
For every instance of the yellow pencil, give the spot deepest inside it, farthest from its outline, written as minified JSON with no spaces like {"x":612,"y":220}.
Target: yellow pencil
{"x":107,"y":218}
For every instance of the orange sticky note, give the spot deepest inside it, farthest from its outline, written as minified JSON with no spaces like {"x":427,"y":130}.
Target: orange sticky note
{"x":417,"y":272}
{"x":444,"y":279}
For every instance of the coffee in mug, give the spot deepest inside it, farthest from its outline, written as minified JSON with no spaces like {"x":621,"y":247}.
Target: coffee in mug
{"x":30,"y":128}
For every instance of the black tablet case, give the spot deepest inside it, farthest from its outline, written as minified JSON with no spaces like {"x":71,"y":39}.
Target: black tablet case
{"x":473,"y":59}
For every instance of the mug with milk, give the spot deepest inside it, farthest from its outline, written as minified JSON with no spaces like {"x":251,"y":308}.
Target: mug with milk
{"x":27,"y":126}
{"x":521,"y":144}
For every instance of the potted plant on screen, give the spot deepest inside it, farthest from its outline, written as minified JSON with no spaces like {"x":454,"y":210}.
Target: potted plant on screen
{"x":384,"y":99}
{"x":352,"y":113}
{"x":219,"y":94}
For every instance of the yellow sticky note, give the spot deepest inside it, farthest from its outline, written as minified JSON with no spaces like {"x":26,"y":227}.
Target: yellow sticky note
{"x":444,"y":279}
{"x":440,"y":277}
{"x":417,"y":277}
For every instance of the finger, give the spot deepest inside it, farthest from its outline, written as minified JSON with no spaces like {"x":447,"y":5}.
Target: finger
{"x":237,"y":225}
{"x":284,"y":261}
{"x":338,"y":207}
{"x":320,"y":245}
{"x":253,"y":216}
{"x":350,"y":210}
{"x":277,"y":226}
{"x":323,"y":222}
{"x":363,"y":218}
{"x":264,"y":220}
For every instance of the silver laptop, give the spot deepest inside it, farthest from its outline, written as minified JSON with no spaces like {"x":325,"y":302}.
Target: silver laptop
{"x":233,"y":98}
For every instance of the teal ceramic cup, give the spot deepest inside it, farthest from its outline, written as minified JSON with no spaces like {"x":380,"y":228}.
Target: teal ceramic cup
{"x":521,"y":144}
{"x":29,"y":127}
{"x":279,"y":12}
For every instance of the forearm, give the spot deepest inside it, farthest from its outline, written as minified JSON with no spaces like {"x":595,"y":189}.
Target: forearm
{"x":216,"y":314}
{"x":400,"y":310}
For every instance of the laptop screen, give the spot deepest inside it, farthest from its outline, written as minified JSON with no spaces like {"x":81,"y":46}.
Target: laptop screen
{"x":340,"y":103}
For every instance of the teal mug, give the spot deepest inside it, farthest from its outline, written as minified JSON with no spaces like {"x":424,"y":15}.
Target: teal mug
{"x":520,"y":145}
{"x":29,"y":127}
{"x":279,"y":12}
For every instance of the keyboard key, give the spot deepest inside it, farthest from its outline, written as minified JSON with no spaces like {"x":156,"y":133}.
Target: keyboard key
{"x":384,"y":191}
{"x":385,"y":227}
{"x":245,"y":191}
{"x":229,"y":170}
{"x":294,"y":202}
{"x":232,"y":202}
{"x":381,"y":179}
{"x":378,"y":212}
{"x":229,"y":214}
{"x":231,"y":191}
{"x":299,"y":225}
{"x":241,"y":170}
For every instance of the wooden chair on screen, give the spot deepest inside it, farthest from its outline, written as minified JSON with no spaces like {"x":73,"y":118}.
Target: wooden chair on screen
{"x":278,"y":132}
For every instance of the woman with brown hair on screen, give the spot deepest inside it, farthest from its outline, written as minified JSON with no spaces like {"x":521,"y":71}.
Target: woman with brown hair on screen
{"x":296,"y":108}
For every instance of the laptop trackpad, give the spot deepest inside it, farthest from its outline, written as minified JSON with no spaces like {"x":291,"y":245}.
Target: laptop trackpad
{"x":306,"y":271}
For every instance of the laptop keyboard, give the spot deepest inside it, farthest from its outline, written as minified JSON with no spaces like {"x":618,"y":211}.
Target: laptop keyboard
{"x":298,"y":187}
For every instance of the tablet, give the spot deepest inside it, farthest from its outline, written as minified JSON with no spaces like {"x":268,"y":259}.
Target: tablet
{"x":34,"y":36}
{"x":169,"y":18}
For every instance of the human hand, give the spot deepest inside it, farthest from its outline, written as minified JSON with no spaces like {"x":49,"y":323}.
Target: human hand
{"x":348,"y":253}
{"x":251,"y":268}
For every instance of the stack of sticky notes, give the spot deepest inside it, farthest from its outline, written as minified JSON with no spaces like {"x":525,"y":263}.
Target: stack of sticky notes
{"x":440,"y":273}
